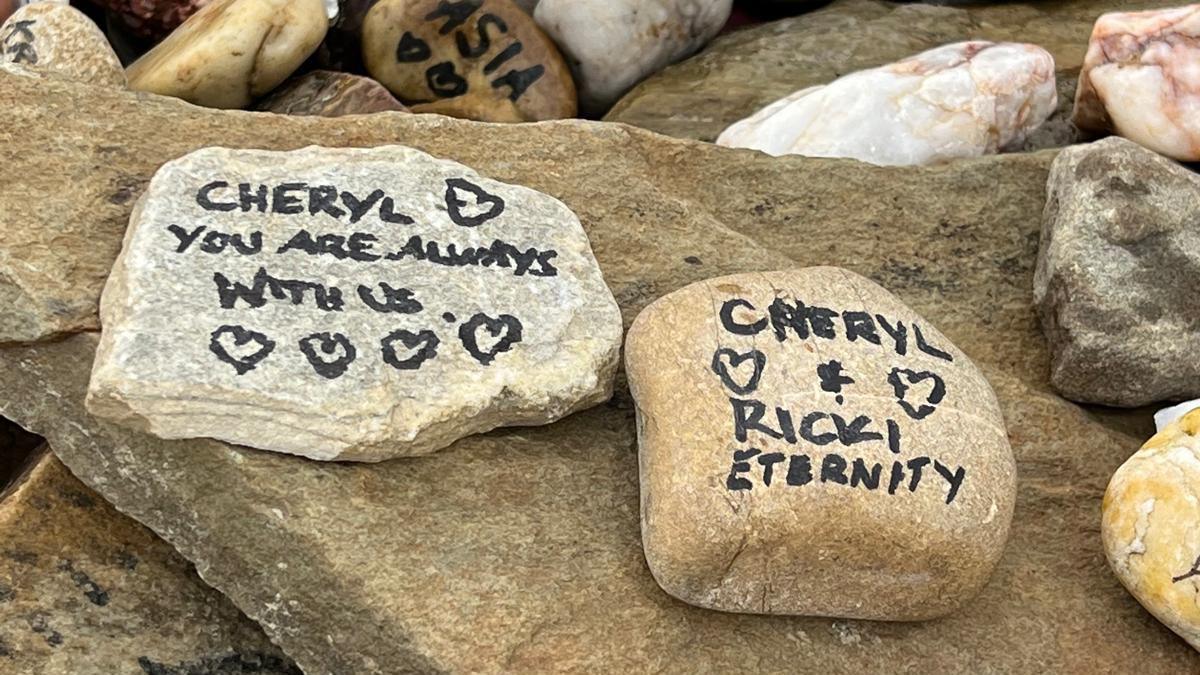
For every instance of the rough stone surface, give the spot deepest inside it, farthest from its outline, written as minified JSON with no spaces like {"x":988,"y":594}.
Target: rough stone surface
{"x":809,"y":445}
{"x":152,"y":19}
{"x":374,"y":303}
{"x":232,"y":51}
{"x":520,"y":550}
{"x":330,"y":94}
{"x":1138,"y":80}
{"x":1118,"y":276}
{"x":740,"y":72}
{"x":84,"y":589}
{"x":1149,"y":526}
{"x":485,"y":60}
{"x":52,"y":38}
{"x":614,"y":44}
{"x":961,"y":100}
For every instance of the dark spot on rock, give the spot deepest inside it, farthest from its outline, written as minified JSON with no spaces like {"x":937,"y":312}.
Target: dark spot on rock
{"x":6,"y":592}
{"x":228,"y":664}
{"x":1124,"y":188}
{"x":23,"y":557}
{"x":126,"y":189}
{"x":79,"y":499}
{"x":39,"y":625}
{"x":692,"y":260}
{"x":128,"y":560}
{"x":4,"y":650}
{"x":97,"y":595}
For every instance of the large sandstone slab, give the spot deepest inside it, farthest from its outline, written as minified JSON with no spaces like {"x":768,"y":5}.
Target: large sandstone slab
{"x":84,"y":589}
{"x":740,"y":72}
{"x":520,"y":550}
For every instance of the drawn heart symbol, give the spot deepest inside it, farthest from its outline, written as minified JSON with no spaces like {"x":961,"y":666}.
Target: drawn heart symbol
{"x":725,"y":359}
{"x":241,"y":348}
{"x":330,"y":354}
{"x":903,"y":379}
{"x":506,"y":330}
{"x":454,"y":203}
{"x":425,"y":343}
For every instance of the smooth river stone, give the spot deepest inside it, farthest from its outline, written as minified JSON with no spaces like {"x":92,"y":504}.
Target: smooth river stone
{"x":349,"y":304}
{"x":1149,"y":526}
{"x":614,"y":44}
{"x":232,"y":52}
{"x":484,"y":60}
{"x":960,"y":100}
{"x":1117,"y":275}
{"x":1139,"y":80}
{"x":809,"y":445}
{"x":49,"y":37}
{"x":331,"y":94}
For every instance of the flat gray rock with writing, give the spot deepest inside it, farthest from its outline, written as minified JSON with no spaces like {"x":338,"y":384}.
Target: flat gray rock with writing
{"x":349,"y":304}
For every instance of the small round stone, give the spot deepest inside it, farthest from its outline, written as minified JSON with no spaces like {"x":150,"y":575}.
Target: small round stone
{"x":484,"y":60}
{"x":1149,"y":526}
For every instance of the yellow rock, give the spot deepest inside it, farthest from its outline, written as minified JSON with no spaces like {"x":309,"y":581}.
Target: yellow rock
{"x":1149,"y":526}
{"x":232,"y":51}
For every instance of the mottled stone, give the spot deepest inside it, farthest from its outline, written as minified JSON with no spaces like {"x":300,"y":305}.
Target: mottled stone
{"x":49,"y":37}
{"x":519,"y":550}
{"x":329,"y":94}
{"x":1139,"y":80}
{"x":84,"y":589}
{"x":809,"y":445}
{"x":742,"y":71}
{"x":1149,"y":526}
{"x":152,"y":19}
{"x":232,"y":51}
{"x":485,"y":60}
{"x":1118,"y":275}
{"x":961,"y":100}
{"x":614,"y":44}
{"x":349,"y":304}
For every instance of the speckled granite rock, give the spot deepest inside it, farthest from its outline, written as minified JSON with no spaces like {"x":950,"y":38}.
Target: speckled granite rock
{"x":742,"y":71}
{"x":1149,"y":526}
{"x":51,"y":38}
{"x":330,"y":94}
{"x":350,"y":304}
{"x":232,"y":51}
{"x":84,"y":589}
{"x":1118,"y":273}
{"x":538,"y":528}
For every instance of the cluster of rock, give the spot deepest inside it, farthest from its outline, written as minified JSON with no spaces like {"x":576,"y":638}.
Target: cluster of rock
{"x":807,"y":443}
{"x":487,"y":60}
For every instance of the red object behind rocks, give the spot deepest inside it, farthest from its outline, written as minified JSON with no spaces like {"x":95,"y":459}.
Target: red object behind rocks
{"x":152,"y":19}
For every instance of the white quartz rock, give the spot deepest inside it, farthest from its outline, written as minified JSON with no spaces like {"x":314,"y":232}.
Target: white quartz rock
{"x":614,"y":44}
{"x":959,"y":100}
{"x":1140,"y":79}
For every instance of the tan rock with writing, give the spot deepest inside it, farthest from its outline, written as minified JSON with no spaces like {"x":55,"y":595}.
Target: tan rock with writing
{"x":809,"y":445}
{"x":1149,"y":526}
{"x":48,"y":37}
{"x":485,"y":60}
{"x":232,"y":51}
{"x":349,"y":304}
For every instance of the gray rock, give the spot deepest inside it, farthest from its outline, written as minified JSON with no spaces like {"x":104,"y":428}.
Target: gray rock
{"x":349,"y":304}
{"x":1118,"y":275}
{"x":519,"y":550}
